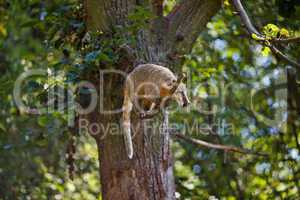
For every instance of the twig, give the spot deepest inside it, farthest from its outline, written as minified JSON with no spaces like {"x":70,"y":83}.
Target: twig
{"x":179,"y":80}
{"x":245,"y":18}
{"x":260,"y":37}
{"x":286,"y":40}
{"x":283,"y":56}
{"x":217,"y":146}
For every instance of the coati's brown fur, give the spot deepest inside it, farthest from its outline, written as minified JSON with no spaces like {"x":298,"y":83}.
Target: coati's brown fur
{"x":145,"y":87}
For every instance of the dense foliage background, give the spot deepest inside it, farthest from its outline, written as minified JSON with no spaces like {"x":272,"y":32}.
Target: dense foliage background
{"x":224,"y":67}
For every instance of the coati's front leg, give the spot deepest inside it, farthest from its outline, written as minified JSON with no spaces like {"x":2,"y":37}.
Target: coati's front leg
{"x":150,"y":102}
{"x":158,"y":105}
{"x":149,"y":112}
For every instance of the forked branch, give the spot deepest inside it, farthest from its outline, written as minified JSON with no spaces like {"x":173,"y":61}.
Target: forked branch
{"x":260,"y":37}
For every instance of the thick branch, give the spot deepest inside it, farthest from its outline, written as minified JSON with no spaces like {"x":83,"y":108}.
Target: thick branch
{"x":187,"y":20}
{"x":105,"y":14}
{"x":216,"y":146}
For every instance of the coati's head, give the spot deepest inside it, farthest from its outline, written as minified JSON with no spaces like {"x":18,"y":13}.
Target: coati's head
{"x":180,"y":93}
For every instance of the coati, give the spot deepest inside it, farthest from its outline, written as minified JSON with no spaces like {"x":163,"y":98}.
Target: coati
{"x":149,"y":87}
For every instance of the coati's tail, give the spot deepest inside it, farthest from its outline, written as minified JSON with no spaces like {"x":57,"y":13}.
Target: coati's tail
{"x":128,"y":140}
{"x":127,"y":107}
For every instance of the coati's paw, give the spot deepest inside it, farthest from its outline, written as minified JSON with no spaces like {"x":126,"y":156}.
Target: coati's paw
{"x":143,"y":115}
{"x":147,"y":115}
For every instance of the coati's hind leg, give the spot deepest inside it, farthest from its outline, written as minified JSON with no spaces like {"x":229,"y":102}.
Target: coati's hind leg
{"x":127,"y":107}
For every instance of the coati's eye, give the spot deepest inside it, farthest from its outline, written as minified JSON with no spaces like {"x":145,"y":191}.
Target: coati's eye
{"x":170,"y":82}
{"x":174,"y":81}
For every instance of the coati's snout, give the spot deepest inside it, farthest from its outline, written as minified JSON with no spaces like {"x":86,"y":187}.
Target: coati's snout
{"x":180,"y":95}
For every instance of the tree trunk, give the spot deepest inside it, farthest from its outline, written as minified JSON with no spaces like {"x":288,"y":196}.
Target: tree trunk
{"x":293,"y":100}
{"x":149,"y":175}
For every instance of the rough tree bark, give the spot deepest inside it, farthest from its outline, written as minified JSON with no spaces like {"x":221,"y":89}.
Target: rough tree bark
{"x":149,"y":175}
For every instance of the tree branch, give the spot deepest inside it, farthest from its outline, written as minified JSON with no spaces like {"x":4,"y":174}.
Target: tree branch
{"x":198,"y":142}
{"x":283,"y":56}
{"x":245,"y":18}
{"x":260,"y":37}
{"x":187,"y":19}
{"x":287,"y":40}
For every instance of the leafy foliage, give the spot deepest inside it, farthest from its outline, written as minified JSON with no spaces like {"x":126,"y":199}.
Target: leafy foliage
{"x":223,"y":68}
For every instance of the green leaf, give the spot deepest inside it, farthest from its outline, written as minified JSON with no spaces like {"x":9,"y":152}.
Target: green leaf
{"x":43,"y":120}
{"x":284,"y":33}
{"x":30,"y":23}
{"x":3,"y":30}
{"x":254,"y":36}
{"x":266,"y":51}
{"x":271,"y":30}
{"x":2,"y":127}
{"x":104,"y":57}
